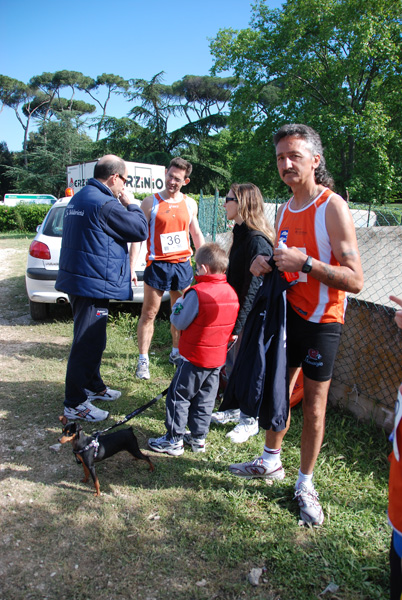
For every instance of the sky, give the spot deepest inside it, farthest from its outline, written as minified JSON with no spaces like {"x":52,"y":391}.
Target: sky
{"x":130,"y":38}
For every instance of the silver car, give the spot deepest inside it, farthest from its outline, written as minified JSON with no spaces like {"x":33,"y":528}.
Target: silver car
{"x":43,"y":265}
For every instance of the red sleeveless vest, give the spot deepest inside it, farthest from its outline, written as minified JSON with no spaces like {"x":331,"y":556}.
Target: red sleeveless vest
{"x":204,"y":342}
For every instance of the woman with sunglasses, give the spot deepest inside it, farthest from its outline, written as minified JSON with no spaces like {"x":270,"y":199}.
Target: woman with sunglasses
{"x":252,"y":235}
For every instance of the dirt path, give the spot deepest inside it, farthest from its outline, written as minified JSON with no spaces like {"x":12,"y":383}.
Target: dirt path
{"x":12,"y":300}
{"x":18,"y":333}
{"x":29,"y":389}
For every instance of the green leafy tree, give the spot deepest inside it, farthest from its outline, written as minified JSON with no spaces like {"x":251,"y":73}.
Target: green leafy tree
{"x":51,"y":85}
{"x":41,"y":99}
{"x":45,"y":110}
{"x":154,"y":109}
{"x":197,"y":131}
{"x":10,"y":90}
{"x":6,"y":160}
{"x":65,"y":144}
{"x":114,"y":84}
{"x":126,"y":138}
{"x":211,"y":158}
{"x":21,"y":97}
{"x":144,"y":135}
{"x":203,"y":96}
{"x":203,"y":100}
{"x":333,"y":64}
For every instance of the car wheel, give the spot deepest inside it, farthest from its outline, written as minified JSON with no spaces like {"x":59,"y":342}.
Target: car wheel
{"x":38,"y":310}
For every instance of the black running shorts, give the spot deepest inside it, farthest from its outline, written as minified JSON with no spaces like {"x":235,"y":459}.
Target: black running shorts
{"x":313,"y":346}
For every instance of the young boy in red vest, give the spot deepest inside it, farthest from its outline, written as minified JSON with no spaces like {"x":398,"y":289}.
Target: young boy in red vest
{"x":205,"y":315}
{"x":395,"y":487}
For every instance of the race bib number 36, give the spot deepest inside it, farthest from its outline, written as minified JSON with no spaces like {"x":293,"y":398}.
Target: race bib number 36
{"x":174,"y":242}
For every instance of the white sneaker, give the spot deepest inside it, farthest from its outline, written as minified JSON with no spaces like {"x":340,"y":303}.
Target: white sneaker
{"x":310,"y":509}
{"x":142,"y":370}
{"x":257,"y":468}
{"x":166,"y":445}
{"x":226,"y":416}
{"x":244,"y":430}
{"x":109,"y":395}
{"x":197,"y":444}
{"x":85,"y":411}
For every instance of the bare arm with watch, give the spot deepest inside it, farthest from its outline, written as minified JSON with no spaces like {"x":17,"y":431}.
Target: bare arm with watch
{"x":348,"y":276}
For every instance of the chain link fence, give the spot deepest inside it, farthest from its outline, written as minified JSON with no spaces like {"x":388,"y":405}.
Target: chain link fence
{"x":369,"y":362}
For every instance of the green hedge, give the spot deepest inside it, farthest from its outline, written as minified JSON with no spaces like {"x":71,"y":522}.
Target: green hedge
{"x":23,"y":217}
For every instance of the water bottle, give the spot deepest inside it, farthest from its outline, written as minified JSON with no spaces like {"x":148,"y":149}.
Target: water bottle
{"x":286,"y":274}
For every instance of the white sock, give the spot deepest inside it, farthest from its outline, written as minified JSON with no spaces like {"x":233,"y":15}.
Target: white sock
{"x":144,"y":357}
{"x":272,"y":456}
{"x":175,"y":351}
{"x":306,"y":479}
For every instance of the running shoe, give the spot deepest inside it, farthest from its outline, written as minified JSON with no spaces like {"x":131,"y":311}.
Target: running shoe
{"x":257,"y":468}
{"x":166,"y":445}
{"x":310,"y":509}
{"x":142,"y":370}
{"x":244,"y":430}
{"x":85,"y":411}
{"x":197,"y":444}
{"x":226,"y":416}
{"x":109,"y":395}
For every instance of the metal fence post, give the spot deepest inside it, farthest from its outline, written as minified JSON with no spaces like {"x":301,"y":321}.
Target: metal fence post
{"x":201,"y":211}
{"x":215,"y":219}
{"x":368,"y":217}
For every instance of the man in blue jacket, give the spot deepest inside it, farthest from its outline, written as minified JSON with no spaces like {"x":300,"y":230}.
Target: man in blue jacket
{"x":94,"y":268}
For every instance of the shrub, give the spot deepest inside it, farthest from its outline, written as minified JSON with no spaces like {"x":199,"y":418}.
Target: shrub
{"x":23,"y":217}
{"x":141,"y":197}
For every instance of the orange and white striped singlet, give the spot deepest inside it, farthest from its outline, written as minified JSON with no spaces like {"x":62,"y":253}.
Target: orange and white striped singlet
{"x":168,"y":238}
{"x":306,"y":229}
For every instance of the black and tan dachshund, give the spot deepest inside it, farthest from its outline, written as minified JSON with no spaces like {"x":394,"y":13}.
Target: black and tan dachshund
{"x":92,"y":449}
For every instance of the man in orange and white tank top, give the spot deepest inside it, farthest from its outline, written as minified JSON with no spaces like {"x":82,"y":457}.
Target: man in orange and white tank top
{"x":319,"y":242}
{"x":172,"y":217}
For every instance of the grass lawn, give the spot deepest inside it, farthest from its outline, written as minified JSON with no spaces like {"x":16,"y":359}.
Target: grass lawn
{"x":189,"y":530}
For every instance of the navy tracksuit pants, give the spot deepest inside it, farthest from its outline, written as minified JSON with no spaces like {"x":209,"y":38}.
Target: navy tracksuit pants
{"x":83,"y":367}
{"x":190,"y":400}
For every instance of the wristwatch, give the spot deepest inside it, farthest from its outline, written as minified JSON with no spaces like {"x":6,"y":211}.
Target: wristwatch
{"x":308,"y":265}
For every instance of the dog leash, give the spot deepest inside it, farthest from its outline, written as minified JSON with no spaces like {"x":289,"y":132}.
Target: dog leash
{"x":133,"y":414}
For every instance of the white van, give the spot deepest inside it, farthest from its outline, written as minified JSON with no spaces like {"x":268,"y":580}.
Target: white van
{"x":14,"y":199}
